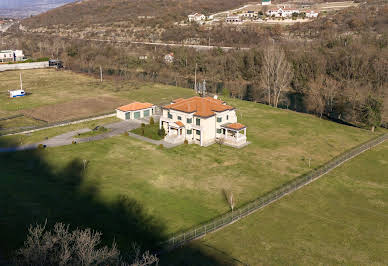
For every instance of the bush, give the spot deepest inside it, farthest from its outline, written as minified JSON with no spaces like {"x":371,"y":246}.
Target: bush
{"x":161,"y":146}
{"x":161,"y":132}
{"x":142,"y":125}
{"x":126,"y":133}
{"x":152,"y":121}
{"x":74,"y":142}
{"x":41,"y":146}
{"x":186,"y":142}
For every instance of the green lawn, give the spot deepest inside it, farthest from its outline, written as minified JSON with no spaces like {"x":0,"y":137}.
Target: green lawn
{"x":340,"y":219}
{"x":150,"y":131}
{"x":168,"y":189}
{"x":92,"y":133}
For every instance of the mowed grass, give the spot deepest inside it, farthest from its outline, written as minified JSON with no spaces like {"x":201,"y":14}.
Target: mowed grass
{"x":49,"y":86}
{"x":341,"y":218}
{"x":179,"y":187}
{"x":150,"y":131}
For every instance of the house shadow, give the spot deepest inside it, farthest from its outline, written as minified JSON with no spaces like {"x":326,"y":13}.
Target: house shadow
{"x":31,"y":191}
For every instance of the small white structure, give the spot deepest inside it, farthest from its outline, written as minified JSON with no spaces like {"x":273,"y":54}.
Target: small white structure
{"x":135,"y":110}
{"x":17,"y":93}
{"x":311,"y":14}
{"x":233,"y":19}
{"x":169,"y":58}
{"x":250,"y":14}
{"x":203,"y":121}
{"x":11,"y":56}
{"x":282,"y":12}
{"x":196,"y":17}
{"x":265,"y":2}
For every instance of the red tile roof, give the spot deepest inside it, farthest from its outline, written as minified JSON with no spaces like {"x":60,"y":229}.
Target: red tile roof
{"x":135,"y":106}
{"x":179,"y":123}
{"x":204,"y":107}
{"x":235,"y":126}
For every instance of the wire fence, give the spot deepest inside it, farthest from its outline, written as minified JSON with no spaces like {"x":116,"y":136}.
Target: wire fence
{"x":5,"y":132}
{"x":231,"y":217}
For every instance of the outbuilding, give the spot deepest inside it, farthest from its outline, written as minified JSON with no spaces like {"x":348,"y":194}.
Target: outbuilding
{"x":135,"y":110}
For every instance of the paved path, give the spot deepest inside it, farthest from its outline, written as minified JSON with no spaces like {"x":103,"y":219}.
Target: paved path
{"x":115,"y":129}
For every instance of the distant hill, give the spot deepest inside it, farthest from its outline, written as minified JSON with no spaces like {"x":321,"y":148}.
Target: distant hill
{"x":108,"y":11}
{"x":26,"y":8}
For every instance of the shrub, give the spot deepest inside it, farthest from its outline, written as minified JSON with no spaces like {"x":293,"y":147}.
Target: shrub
{"x":161,"y":146}
{"x":74,"y":142}
{"x":126,"y":133}
{"x":41,"y":146}
{"x":161,"y":132}
{"x":186,"y":142}
{"x":142,"y":125}
{"x":152,"y":121}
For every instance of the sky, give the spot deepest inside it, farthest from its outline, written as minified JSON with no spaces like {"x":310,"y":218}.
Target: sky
{"x":25,"y":8}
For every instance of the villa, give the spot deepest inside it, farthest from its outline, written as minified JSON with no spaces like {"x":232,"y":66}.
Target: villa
{"x":203,"y":121}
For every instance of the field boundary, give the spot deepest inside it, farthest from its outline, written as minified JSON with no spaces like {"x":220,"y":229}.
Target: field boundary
{"x":58,"y":124}
{"x":177,"y":240}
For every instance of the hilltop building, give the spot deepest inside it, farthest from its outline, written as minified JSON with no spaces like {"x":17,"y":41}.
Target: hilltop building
{"x":233,"y":19}
{"x":265,"y":2}
{"x":196,"y":17}
{"x":311,"y":14}
{"x":203,"y":121}
{"x":282,"y":12}
{"x":11,"y":56}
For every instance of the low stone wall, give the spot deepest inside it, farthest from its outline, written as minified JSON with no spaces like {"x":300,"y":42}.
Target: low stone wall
{"x":5,"y":67}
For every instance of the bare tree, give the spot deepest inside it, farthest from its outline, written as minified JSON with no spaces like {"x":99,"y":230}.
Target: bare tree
{"x":220,"y":141}
{"x":79,"y":247}
{"x":230,"y":199}
{"x":276,"y":73}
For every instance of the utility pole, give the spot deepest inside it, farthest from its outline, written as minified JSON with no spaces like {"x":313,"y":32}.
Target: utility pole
{"x":100,"y":74}
{"x":21,"y":81}
{"x":195,"y":77}
{"x":209,"y":41}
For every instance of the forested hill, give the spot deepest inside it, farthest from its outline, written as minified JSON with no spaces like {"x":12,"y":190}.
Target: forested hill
{"x":89,"y":12}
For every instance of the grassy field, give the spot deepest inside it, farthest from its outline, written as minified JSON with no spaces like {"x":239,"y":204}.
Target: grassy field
{"x":150,"y":131}
{"x":131,"y":186}
{"x":340,"y":219}
{"x":71,"y":94}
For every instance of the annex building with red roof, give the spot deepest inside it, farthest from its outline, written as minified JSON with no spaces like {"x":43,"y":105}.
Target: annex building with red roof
{"x":203,"y":121}
{"x":135,"y":110}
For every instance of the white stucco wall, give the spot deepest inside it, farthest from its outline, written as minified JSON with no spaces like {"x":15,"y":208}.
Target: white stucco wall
{"x":122,"y":114}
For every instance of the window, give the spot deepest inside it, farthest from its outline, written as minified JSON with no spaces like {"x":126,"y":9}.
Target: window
{"x":146,"y":113}
{"x":219,"y":130}
{"x":136,"y":115}
{"x":179,"y":117}
{"x":219,"y":119}
{"x":198,"y":122}
{"x":169,"y":115}
{"x":198,"y":132}
{"x":227,"y":117}
{"x":189,"y":120}
{"x":189,"y":131}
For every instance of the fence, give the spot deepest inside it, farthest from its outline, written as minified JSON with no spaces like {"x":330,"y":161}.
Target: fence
{"x":231,"y":217}
{"x":23,"y":130}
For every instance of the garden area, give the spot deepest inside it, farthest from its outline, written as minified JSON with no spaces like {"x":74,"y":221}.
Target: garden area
{"x":150,"y":130}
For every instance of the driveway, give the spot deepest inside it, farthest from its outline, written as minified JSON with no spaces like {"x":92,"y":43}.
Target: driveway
{"x":115,"y":129}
